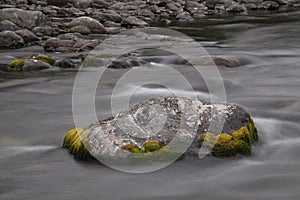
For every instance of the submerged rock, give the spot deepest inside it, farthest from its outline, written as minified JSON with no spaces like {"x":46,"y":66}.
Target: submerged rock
{"x":163,"y":125}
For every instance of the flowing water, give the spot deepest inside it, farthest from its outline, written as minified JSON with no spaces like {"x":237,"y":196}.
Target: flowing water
{"x":36,"y":112}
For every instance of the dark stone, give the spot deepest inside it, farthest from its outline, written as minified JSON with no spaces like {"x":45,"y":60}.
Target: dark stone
{"x":27,"y":35}
{"x":65,"y":63}
{"x":133,"y":22}
{"x":269,"y":5}
{"x":126,"y":62}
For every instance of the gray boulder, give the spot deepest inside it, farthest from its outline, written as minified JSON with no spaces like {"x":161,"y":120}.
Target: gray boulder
{"x":23,"y":18}
{"x":166,"y":125}
{"x":7,"y":25}
{"x":9,"y":39}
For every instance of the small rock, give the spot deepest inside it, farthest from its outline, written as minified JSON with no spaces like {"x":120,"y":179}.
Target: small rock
{"x":92,"y":24}
{"x":65,"y":63}
{"x":101,"y":3}
{"x":106,"y":16}
{"x":226,"y":61}
{"x":236,"y":8}
{"x":125,"y":62}
{"x":269,"y":5}
{"x":111,"y":24}
{"x":56,"y":44}
{"x":185,"y":16}
{"x":45,"y":31}
{"x":133,"y":22}
{"x":115,"y":30}
{"x":27,"y":35}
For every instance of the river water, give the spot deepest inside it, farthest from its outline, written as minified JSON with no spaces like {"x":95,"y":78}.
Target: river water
{"x":36,"y":112}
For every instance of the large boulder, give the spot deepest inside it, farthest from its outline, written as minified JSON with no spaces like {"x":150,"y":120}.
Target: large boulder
{"x":23,"y":18}
{"x":166,"y":123}
{"x":9,"y":39}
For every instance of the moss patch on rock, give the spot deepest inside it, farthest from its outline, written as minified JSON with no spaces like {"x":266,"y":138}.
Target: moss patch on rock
{"x":73,"y":142}
{"x":238,"y":142}
{"x":16,"y":64}
{"x":44,"y":58}
{"x":153,"y":150}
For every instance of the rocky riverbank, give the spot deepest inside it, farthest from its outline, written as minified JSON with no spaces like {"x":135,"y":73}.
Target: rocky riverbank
{"x":61,"y":25}
{"x":80,"y":25}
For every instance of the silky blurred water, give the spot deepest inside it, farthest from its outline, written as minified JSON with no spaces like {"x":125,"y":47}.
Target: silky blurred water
{"x":36,"y":112}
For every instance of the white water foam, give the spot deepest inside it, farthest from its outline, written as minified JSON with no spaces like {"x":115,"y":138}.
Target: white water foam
{"x":7,"y":152}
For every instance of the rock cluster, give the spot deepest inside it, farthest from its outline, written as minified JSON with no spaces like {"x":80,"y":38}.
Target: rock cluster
{"x":33,"y":21}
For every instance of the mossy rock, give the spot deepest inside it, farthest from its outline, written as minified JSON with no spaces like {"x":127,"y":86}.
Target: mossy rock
{"x":44,"y":58}
{"x":238,"y":142}
{"x":73,"y":142}
{"x":16,"y":64}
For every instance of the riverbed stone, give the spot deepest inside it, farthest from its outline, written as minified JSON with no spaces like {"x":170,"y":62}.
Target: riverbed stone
{"x":153,"y":124}
{"x":10,"y":40}
{"x":23,"y":18}
{"x":133,"y":22}
{"x":90,"y":23}
{"x":7,"y":25}
{"x":27,"y":35}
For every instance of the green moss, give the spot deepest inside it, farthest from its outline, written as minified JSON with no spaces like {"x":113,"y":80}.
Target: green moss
{"x":44,"y":58}
{"x":230,"y":146}
{"x":163,"y":154}
{"x":253,"y":130}
{"x":153,"y":151}
{"x":243,"y":134}
{"x":152,"y":146}
{"x":16,"y":64}
{"x":238,"y":142}
{"x":72,"y":142}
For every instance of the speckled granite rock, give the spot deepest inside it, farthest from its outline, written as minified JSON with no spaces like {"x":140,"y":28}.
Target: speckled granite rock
{"x":159,"y":122}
